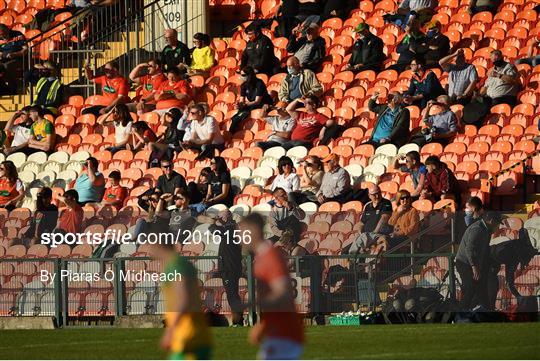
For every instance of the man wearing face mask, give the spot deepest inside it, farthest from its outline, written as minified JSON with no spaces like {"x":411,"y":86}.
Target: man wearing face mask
{"x":49,"y":91}
{"x":393,"y":121}
{"x":472,"y":260}
{"x":309,"y":49}
{"x":474,"y":209}
{"x":367,"y":51}
{"x":298,"y":83}
{"x":438,"y":44}
{"x":462,"y":77}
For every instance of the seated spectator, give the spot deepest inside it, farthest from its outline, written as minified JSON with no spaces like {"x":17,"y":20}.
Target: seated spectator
{"x":441,"y":183}
{"x":311,"y":126}
{"x":413,"y":45}
{"x":121,"y":118}
{"x":149,"y":76}
{"x":441,"y":127}
{"x":286,"y":18}
{"x":393,"y":121}
{"x":19,"y":133}
{"x":501,"y":86}
{"x":424,"y":86}
{"x":42,"y":135}
{"x":181,"y":217}
{"x":12,"y":49}
{"x":282,"y":125}
{"x":474,"y":209}
{"x":309,"y":49}
{"x":415,"y":168}
{"x":44,"y":218}
{"x":259,"y":52}
{"x":71,"y":218}
{"x":169,"y":142}
{"x":290,"y":247}
{"x":285,"y":216}
{"x":367,"y":51}
{"x":114,"y":88}
{"x":337,"y":9}
{"x":413,"y":10}
{"x":49,"y":88}
{"x":336,"y":182}
{"x":175,"y":92}
{"x":374,"y":221}
{"x":175,"y":53}
{"x":405,"y":222}
{"x":438,"y":44}
{"x":462,"y":77}
{"x":253,"y":95}
{"x":531,"y":59}
{"x":298,"y":83}
{"x":287,"y":179}
{"x":199,"y":189}
{"x":219,"y":189}
{"x":11,"y":187}
{"x":202,"y":56}
{"x":477,"y":6}
{"x":168,"y":185}
{"x":91,"y":183}
{"x":142,"y":135}
{"x":203,"y":133}
{"x":115,"y":194}
{"x":310,"y":182}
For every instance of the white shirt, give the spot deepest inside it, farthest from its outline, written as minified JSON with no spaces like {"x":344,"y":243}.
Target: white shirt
{"x":121,"y":133}
{"x":208,"y":128}
{"x":21,"y":135}
{"x":291,"y":183}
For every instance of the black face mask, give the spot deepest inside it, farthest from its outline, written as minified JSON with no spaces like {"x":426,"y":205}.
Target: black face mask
{"x":498,"y":63}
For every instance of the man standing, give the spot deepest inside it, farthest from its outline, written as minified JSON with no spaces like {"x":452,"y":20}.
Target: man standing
{"x":392,"y":125}
{"x":472,"y":260}
{"x":280,"y":332}
{"x":367,"y":51}
{"x":310,"y":49}
{"x":176,"y":52}
{"x":462,"y":77}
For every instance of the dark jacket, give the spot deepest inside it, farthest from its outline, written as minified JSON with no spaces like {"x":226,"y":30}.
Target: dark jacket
{"x":443,"y":49}
{"x":259,"y":54}
{"x":368,"y":51}
{"x":317,"y":54}
{"x":428,"y":85}
{"x":419,"y":45}
{"x":474,"y":247}
{"x":400,"y":132}
{"x":341,"y":7}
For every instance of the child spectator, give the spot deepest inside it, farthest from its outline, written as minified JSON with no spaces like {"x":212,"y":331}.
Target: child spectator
{"x":71,"y":218}
{"x":115,"y":194}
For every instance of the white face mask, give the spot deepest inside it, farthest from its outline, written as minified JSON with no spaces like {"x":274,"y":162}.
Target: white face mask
{"x":292,"y":70}
{"x":243,"y":78}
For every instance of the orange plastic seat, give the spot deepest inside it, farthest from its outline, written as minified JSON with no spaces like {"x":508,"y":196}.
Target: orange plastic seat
{"x":320,"y":151}
{"x":457,"y":148}
{"x":491,"y":130}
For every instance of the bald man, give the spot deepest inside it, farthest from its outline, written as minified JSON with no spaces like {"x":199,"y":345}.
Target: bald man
{"x":175,"y":53}
{"x":298,"y":83}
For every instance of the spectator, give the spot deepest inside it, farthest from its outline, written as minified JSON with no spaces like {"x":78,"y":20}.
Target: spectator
{"x":285,"y":216}
{"x":282,"y":125}
{"x":405,"y":221}
{"x":219,"y":189}
{"x":169,"y":184}
{"x":142,"y":135}
{"x":367,"y":51}
{"x":149,"y":76}
{"x":413,"y":10}
{"x":310,"y":182}
{"x":175,"y":53}
{"x":441,"y":127}
{"x":90,"y":185}
{"x":42,"y":136}
{"x":311,"y":127}
{"x":202,"y":56}
{"x":11,"y":187}
{"x":531,"y":59}
{"x":413,"y":45}
{"x":44,"y":219}
{"x":501,"y":86}
{"x":287,"y":179}
{"x":259,"y":52}
{"x":20,"y":133}
{"x":286,"y":17}
{"x":175,"y":92}
{"x":181,"y":217}
{"x":474,"y":209}
{"x":336,"y":182}
{"x":203,"y":133}
{"x":374,"y":221}
{"x":71,"y":218}
{"x":416,"y":169}
{"x":337,"y":9}
{"x":424,"y":86}
{"x":114,"y":88}
{"x":115,"y":194}
{"x":393,"y":121}
{"x":199,"y":189}
{"x":438,"y":44}
{"x":169,"y":142}
{"x":290,"y":247}
{"x":12,"y":49}
{"x":253,"y":95}
{"x":298,"y":83}
{"x":440,"y":182}
{"x":477,"y":6}
{"x":309,"y":49}
{"x":462,"y":77}
{"x":49,"y":89}
{"x":120,"y":117}
{"x":472,"y":260}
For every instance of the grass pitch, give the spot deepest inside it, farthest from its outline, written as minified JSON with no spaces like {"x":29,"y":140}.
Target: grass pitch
{"x":464,"y":341}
